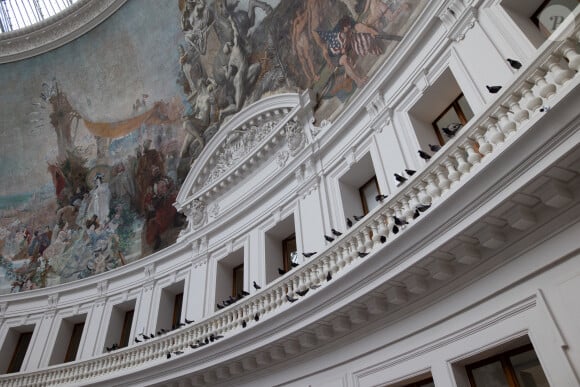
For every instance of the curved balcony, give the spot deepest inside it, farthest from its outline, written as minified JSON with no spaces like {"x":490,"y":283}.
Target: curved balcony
{"x":393,"y":257}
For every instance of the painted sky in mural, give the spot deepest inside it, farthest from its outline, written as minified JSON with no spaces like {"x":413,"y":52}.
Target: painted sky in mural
{"x":97,"y":136}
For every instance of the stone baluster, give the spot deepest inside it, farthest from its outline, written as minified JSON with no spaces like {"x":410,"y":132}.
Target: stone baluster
{"x":518,"y":114}
{"x":472,"y":156}
{"x":495,"y":135}
{"x":544,"y":88}
{"x":359,"y":243}
{"x":432,"y":186}
{"x":570,"y":51}
{"x":423,"y":195}
{"x":443,"y":182}
{"x":531,"y":102}
{"x":452,"y":173}
{"x":367,"y":233}
{"x":375,"y":232}
{"x":558,"y":72}
{"x":462,"y":165}
{"x":479,"y":136}
{"x":506,"y":125}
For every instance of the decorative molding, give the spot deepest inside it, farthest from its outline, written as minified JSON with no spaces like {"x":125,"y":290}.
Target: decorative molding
{"x":57,"y":30}
{"x":282,"y":158}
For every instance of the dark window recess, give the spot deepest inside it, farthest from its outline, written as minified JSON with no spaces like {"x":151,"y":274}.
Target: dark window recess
{"x":177,"y":305}
{"x":19,"y":352}
{"x":75,"y":341}
{"x":517,"y":368}
{"x":289,"y":251}
{"x":551,"y":13}
{"x":457,"y":112}
{"x":368,"y":192}
{"x":423,"y":383}
{"x":238,"y":280}
{"x":126,"y":331}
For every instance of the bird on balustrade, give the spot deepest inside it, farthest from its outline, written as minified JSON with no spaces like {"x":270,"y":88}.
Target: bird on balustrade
{"x":112,"y":347}
{"x":399,"y":179}
{"x":328,"y":238}
{"x":423,"y":207}
{"x":383,"y":239}
{"x":380,"y":197}
{"x":423,"y":155}
{"x":137,"y":340}
{"x":410,"y":172}
{"x":329,"y":276}
{"x":335,"y":232}
{"x":348,"y":223}
{"x":434,"y":148}
{"x":290,"y":299}
{"x":244,"y":324}
{"x":257,"y":317}
{"x":256,"y":286}
{"x":219,"y":306}
{"x":395,"y":229}
{"x":493,"y":89}
{"x":145,"y":336}
{"x":416,"y":214}
{"x":514,"y":63}
{"x":362,"y":255}
{"x":357,"y":218}
{"x":308,"y":255}
{"x":452,"y":129}
{"x":245,"y":293}
{"x":399,"y":221}
{"x":188,"y":321}
{"x":294,"y":264}
{"x":302,"y":293}
{"x":281,"y":271}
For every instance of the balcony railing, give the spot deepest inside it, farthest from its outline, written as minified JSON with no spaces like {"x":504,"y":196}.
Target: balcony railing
{"x":549,"y":78}
{"x":17,"y":14}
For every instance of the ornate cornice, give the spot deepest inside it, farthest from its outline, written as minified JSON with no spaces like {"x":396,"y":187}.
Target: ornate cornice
{"x":56,"y":31}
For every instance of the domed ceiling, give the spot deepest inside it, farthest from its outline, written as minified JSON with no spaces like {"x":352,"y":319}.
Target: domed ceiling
{"x":98,"y":135}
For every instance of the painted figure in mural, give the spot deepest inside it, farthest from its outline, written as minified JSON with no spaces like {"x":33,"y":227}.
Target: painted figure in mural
{"x":100,"y":197}
{"x":379,"y":14}
{"x":195,"y":23}
{"x":61,"y":118}
{"x":302,"y":46}
{"x":192,"y":70}
{"x":238,"y":72}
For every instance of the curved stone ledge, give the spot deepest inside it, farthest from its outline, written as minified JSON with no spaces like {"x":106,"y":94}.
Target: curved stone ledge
{"x":57,"y":30}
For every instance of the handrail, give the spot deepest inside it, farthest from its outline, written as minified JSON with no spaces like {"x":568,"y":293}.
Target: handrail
{"x":546,"y":80}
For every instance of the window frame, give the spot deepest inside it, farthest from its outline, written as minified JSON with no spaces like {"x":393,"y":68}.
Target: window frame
{"x":74,"y":342}
{"x":504,"y":359}
{"x":14,"y":366}
{"x":361,"y":189}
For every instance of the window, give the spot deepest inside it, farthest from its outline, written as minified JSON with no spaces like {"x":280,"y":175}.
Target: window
{"x":368,"y":192}
{"x":516,"y":368}
{"x":238,"y":280}
{"x":19,"y":352}
{"x":289,"y":251}
{"x":551,"y":13}
{"x":126,"y":331}
{"x":457,"y":112}
{"x":177,"y":305}
{"x":74,"y":343}
{"x":422,"y":383}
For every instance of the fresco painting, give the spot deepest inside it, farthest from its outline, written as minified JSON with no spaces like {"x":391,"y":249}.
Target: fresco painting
{"x":98,"y":136}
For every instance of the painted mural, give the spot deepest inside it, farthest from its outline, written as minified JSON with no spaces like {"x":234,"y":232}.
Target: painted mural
{"x":98,"y":136}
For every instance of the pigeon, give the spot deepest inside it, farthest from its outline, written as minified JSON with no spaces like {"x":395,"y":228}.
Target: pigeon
{"x":423,"y":207}
{"x":244,"y":324}
{"x":493,"y":89}
{"x":145,"y":336}
{"x":194,"y":346}
{"x":244,"y":293}
{"x":514,"y":63}
{"x":294,"y":264}
{"x":137,"y":340}
{"x":219,"y":306}
{"x":337,"y":233}
{"x":256,"y":286}
{"x":380,"y":197}
{"x":112,"y":347}
{"x":357,"y":218}
{"x":452,"y":129}
{"x":178,"y":353}
{"x":163,"y":330}
{"x":383,"y":239}
{"x":362,"y":255}
{"x":168,"y":355}
{"x":400,"y":179}
{"x":290,"y":299}
{"x":257,"y":317}
{"x":329,"y":276}
{"x":399,"y":221}
{"x":188,"y":321}
{"x":416,"y":214}
{"x":434,"y":148}
{"x":281,"y":271}
{"x":308,"y":255}
{"x":410,"y":172}
{"x":328,"y":239}
{"x":395,"y":229}
{"x":348,"y":223}
{"x":424,"y":155}
{"x":302,"y":293}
